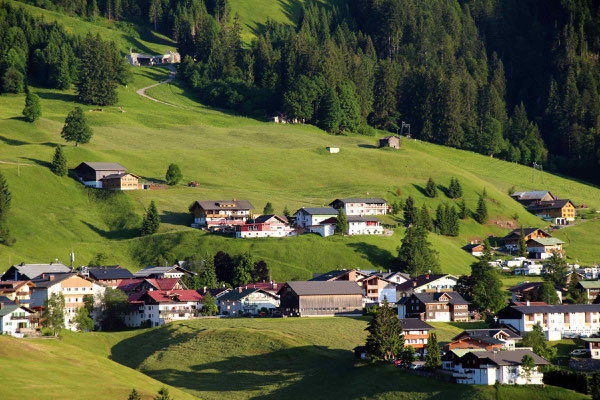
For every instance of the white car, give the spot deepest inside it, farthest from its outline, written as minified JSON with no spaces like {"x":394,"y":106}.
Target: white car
{"x":579,"y":352}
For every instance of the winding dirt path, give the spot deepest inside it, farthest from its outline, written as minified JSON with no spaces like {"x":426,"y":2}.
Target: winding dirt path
{"x":172,"y":74}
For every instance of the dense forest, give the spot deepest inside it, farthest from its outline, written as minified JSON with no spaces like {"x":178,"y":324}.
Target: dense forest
{"x":514,"y":79}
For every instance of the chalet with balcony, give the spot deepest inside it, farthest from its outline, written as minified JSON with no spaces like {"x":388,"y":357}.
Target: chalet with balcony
{"x":362,"y":207}
{"x":416,"y":334}
{"x":591,"y":289}
{"x":427,"y":283}
{"x":557,"y":211}
{"x":359,"y":225}
{"x":265,"y":226}
{"x":17,"y":291}
{"x":220,"y":214}
{"x":511,"y":241}
{"x":531,"y":197}
{"x":14,"y":318}
{"x":485,"y":339}
{"x":158,"y":307}
{"x":434,"y":306}
{"x":307,"y":217}
{"x":543,"y":248}
{"x":250,"y":301}
{"x":122,"y":181}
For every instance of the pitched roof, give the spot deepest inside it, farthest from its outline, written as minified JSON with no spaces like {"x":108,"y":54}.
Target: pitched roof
{"x":549,"y":205}
{"x":327,"y":276}
{"x":268,"y":286}
{"x":472,"y":246}
{"x":525,"y":286}
{"x":531,"y":195}
{"x":591,"y":340}
{"x":5,"y":300}
{"x":264,"y":218}
{"x":163,"y":284}
{"x":422,"y":280}
{"x":558,"y":308}
{"x":117,"y":176}
{"x":358,"y":218}
{"x":46,"y":282}
{"x":367,"y":201}
{"x":484,"y":334}
{"x":129,"y":284}
{"x":104,"y":166}
{"x":547,"y":241}
{"x":110,"y":273}
{"x":157,"y":270}
{"x":34,"y":270}
{"x":414,"y":324}
{"x":389,"y":137}
{"x":312,"y":288}
{"x":434,"y":297}
{"x":173,"y":295}
{"x":218,"y":204}
{"x":8,"y":308}
{"x":508,"y":357}
{"x":236,"y":294}
{"x":318,"y":210}
{"x":590,"y":284}
{"x":331,"y":220}
{"x":526,"y":231}
{"x":461,"y":352}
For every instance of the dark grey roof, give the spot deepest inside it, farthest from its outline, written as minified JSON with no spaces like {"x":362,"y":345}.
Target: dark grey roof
{"x":115,"y":176}
{"x":358,"y":218}
{"x":559,"y":308}
{"x":32,"y":271}
{"x":531,"y":195}
{"x":311,"y":288}
{"x":5,"y":300}
{"x":104,"y":166}
{"x":549,"y":205}
{"x":318,"y":211}
{"x":367,"y":201}
{"x":216,"y":204}
{"x":433,"y":297}
{"x":47,"y":282}
{"x":110,"y":273}
{"x":414,"y":324}
{"x":486,"y":335}
{"x":526,"y":231}
{"x":508,"y":357}
{"x":266,"y":217}
{"x":236,"y":295}
{"x":327,"y":276}
{"x":525,"y":286}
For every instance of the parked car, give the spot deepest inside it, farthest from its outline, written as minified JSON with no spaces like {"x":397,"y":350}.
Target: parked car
{"x":416,"y":366}
{"x":579,"y":352}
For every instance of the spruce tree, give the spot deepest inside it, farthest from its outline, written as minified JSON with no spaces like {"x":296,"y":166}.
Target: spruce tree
{"x":268,"y":210}
{"x":151,"y":222}
{"x":242,"y":271}
{"x":209,"y":305}
{"x":453,"y":227}
{"x":173,"y":175}
{"x":575,"y":294}
{"x":522,"y":245}
{"x":410,"y":212}
{"x":441,"y":222}
{"x":433,"y":358}
{"x":5,"y":198}
{"x":59,"y":162}
{"x":425,"y":218}
{"x":455,"y":189}
{"x":385,"y":340}
{"x":463,"y":211}
{"x":163,"y":394}
{"x":481,"y":214}
{"x":557,"y":270}
{"x":487,"y":294}
{"x":134,"y":395}
{"x":97,"y":80}
{"x":547,"y":294}
{"x":341,"y":225}
{"x":287,"y":214}
{"x":33,"y":108}
{"x":76,"y":128}
{"x":330,"y":114}
{"x":415,"y":255}
{"x":430,"y":188}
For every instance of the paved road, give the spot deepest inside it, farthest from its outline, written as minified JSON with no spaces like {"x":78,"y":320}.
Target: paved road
{"x":172,"y":74}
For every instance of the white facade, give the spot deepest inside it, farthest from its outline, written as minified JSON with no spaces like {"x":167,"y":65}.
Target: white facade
{"x":162,"y":313}
{"x":443,"y":284}
{"x":363,"y":228}
{"x":365,"y":208}
{"x":305,"y":219}
{"x":221,"y":216}
{"x":333,"y":150}
{"x":529,"y":269}
{"x":323,"y":230}
{"x":250,"y":304}
{"x":490,"y":374}
{"x":16,"y":319}
{"x":556,"y":325}
{"x":275,"y":230}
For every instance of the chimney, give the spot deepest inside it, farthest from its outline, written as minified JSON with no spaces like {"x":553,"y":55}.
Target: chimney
{"x":204,"y":289}
{"x":240,"y":289}
{"x":427,"y":276}
{"x":51,"y":277}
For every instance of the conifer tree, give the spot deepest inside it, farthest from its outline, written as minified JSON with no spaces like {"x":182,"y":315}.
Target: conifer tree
{"x":76,"y":128}
{"x":59,"y":162}
{"x":341,"y":224}
{"x":410,"y":212}
{"x":522,"y":245}
{"x":557,"y":270}
{"x":330,"y":114}
{"x":425,"y":218}
{"x":415,"y":255}
{"x":455,"y":189}
{"x":487,"y":294}
{"x":453,"y":226}
{"x":286,"y":213}
{"x":134,"y":395}
{"x":547,"y":294}
{"x":209,"y":306}
{"x":481,"y":214}
{"x":33,"y":108}
{"x":441,"y":221}
{"x":385,"y":340}
{"x":5,"y":198}
{"x":433,"y":358}
{"x":151,"y":222}
{"x":573,"y":290}
{"x":163,"y":394}
{"x":97,"y":78}
{"x":430,"y":188}
{"x":268,"y":210}
{"x":242,"y":271}
{"x":463,"y":211}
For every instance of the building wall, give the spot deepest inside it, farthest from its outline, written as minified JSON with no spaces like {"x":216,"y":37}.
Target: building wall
{"x":323,"y":230}
{"x":323,"y":305}
{"x":361,"y":228}
{"x":10,"y":325}
{"x":365,"y":209}
{"x":445,"y":283}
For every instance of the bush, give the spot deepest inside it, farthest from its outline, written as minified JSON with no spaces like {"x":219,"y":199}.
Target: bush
{"x":366,"y":130}
{"x":47,"y":332}
{"x":577,"y":381}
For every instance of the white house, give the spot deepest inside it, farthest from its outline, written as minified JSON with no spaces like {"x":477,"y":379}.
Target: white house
{"x":73,"y":287}
{"x":158,"y":307}
{"x":427,"y":283}
{"x":515,"y":262}
{"x":307,"y":216}
{"x":265,"y":226}
{"x":358,"y":225}
{"x":489,"y":367}
{"x":241,"y":301}
{"x":377,"y":289}
{"x":13,"y":318}
{"x":543,"y":248}
{"x":556,"y":320}
{"x":361,"y":206}
{"x":175,"y":271}
{"x":528,"y":269}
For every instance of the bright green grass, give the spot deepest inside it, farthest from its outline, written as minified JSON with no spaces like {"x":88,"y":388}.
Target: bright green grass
{"x":125,"y":35}
{"x":584,"y":241}
{"x":53,"y":369}
{"x":510,"y":281}
{"x":231,"y":157}
{"x":287,"y":358}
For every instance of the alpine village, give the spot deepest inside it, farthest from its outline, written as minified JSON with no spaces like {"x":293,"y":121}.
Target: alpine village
{"x":299,"y":199}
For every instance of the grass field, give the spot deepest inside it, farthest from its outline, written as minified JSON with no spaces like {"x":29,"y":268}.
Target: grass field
{"x":54,"y":369}
{"x":235,"y":157}
{"x":280,"y":358}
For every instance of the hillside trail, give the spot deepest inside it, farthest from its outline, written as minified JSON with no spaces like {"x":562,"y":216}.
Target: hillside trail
{"x":172,"y":75}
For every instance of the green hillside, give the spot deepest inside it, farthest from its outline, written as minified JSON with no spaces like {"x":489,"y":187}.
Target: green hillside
{"x":53,"y":369}
{"x":285,"y":358}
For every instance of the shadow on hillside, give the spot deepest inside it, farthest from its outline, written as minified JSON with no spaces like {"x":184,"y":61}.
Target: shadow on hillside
{"x":152,"y":180}
{"x":176,"y":218}
{"x":13,"y":142}
{"x":374,"y":254}
{"x":41,"y":163}
{"x":124,"y":233}
{"x":420,"y":189}
{"x":66,"y":97}
{"x":444,"y":190}
{"x":367,"y":146}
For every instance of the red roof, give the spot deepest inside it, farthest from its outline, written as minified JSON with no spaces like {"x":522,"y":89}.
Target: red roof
{"x":177,"y":295}
{"x":268,"y":286}
{"x":163,"y":284}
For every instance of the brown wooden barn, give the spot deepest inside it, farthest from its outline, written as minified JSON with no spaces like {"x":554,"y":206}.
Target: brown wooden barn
{"x":321,"y":298}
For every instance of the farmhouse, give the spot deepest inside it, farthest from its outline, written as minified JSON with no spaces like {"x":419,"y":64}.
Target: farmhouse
{"x":137,"y":59}
{"x":528,"y":291}
{"x":593,"y":346}
{"x":26,"y":272}
{"x":485,"y":339}
{"x":321,"y":298}
{"x":361,"y":206}
{"x":307,"y":217}
{"x":529,"y":198}
{"x":130,"y":286}
{"x":175,"y":271}
{"x":220,"y":214}
{"x":511,"y":241}
{"x":416,"y":333}
{"x":250,"y":301}
{"x":591,"y":289}
{"x":427,"y":283}
{"x":489,"y":367}
{"x":16,"y":291}
{"x":393,"y":141}
{"x":557,"y":211}
{"x":434,"y":306}
{"x":544,"y":248}
{"x":376,"y":289}
{"x":111,"y":277}
{"x":158,"y":307}
{"x":476,"y":249}
{"x":13,"y":318}
{"x":555,"y":320}
{"x":122,"y":181}
{"x":358,"y":225}
{"x":265,"y":226}
{"x":73,"y":287}
{"x":91,"y":173}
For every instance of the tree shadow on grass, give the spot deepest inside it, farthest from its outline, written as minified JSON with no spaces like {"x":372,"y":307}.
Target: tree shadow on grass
{"x":13,"y":142}
{"x":41,"y":163}
{"x":444,"y":190}
{"x":66,"y":97}
{"x":176,"y":218}
{"x":367,"y":146}
{"x":375,"y":255}
{"x":420,"y":189}
{"x":123,"y":233}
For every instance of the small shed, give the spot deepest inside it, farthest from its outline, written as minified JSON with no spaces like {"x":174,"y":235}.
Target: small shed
{"x":333,"y":150}
{"x":390,"y":141}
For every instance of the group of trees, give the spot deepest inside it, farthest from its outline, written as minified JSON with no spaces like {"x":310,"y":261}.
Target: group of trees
{"x":34,"y":50}
{"x":5,"y":203}
{"x":162,"y":394}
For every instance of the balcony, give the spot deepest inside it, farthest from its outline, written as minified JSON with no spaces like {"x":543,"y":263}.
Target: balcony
{"x":19,"y":317}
